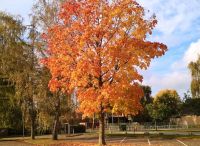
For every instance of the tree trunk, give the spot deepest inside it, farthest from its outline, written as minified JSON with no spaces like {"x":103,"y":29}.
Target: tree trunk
{"x":32,"y":127}
{"x":156,"y":125}
{"x":93,"y":121}
{"x":102,"y":129}
{"x":55,"y":128}
{"x":32,"y":114}
{"x":56,"y":119}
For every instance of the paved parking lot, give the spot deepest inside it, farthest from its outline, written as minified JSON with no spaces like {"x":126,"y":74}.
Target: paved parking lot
{"x":157,"y":142}
{"x":128,"y":141}
{"x":154,"y":142}
{"x":115,"y":141}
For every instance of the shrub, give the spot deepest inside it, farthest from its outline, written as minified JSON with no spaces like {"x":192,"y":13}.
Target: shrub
{"x":122,"y":127}
{"x":78,"y":129}
{"x":3,"y":132}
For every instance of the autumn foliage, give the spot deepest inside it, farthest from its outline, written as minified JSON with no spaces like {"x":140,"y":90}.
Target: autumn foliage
{"x":96,"y":50}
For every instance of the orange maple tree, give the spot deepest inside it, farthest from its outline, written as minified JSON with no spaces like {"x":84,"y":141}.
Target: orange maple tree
{"x":96,"y":50}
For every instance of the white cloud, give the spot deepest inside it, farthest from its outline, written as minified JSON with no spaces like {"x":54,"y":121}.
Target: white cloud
{"x":174,"y":80}
{"x":177,"y":15}
{"x":173,"y":15}
{"x":176,"y":19}
{"x":190,"y":55}
{"x":193,"y":52}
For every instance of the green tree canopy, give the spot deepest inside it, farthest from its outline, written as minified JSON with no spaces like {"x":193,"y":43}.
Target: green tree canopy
{"x":11,"y":47}
{"x":165,"y":105}
{"x":18,"y":61}
{"x":143,"y":115}
{"x":191,"y":106}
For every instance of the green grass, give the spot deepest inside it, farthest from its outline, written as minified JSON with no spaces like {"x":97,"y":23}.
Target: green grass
{"x":13,"y":138}
{"x":178,"y":130}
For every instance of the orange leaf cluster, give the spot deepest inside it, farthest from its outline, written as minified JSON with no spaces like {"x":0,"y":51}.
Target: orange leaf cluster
{"x":96,"y":49}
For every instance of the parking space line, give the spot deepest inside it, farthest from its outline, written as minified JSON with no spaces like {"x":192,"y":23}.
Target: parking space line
{"x":122,"y":140}
{"x":148,"y":141}
{"x":182,"y":142}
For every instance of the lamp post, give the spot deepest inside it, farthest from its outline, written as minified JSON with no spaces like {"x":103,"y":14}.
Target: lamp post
{"x":1,"y":39}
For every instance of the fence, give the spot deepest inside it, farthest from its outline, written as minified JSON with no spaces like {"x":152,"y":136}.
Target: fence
{"x":148,"y":127}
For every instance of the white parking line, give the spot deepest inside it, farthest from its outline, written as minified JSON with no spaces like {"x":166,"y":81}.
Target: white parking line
{"x":149,"y":142}
{"x":182,"y":142}
{"x":122,"y":140}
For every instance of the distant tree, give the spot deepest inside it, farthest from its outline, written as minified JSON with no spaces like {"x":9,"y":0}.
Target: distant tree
{"x":143,"y":115}
{"x":18,"y":62}
{"x":166,"y":104}
{"x":190,"y":106}
{"x":11,"y":47}
{"x":156,"y":112}
{"x":187,"y":95}
{"x":195,"y":72}
{"x":147,"y":98}
{"x":10,"y":111}
{"x":45,"y":15}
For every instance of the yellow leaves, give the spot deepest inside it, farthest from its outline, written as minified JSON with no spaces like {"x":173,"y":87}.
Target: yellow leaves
{"x":166,"y":93}
{"x":82,"y":43}
{"x":115,"y":12}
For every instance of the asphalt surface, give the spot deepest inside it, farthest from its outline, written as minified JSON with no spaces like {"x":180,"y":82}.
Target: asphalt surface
{"x":128,"y":141}
{"x":120,"y":141}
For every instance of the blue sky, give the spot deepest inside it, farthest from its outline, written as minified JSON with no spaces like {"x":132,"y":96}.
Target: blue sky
{"x":178,"y":27}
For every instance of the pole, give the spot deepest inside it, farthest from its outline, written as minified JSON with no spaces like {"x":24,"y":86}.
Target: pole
{"x":23,"y":123}
{"x":68,"y":128}
{"x":65,"y":128}
{"x":112,"y":118}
